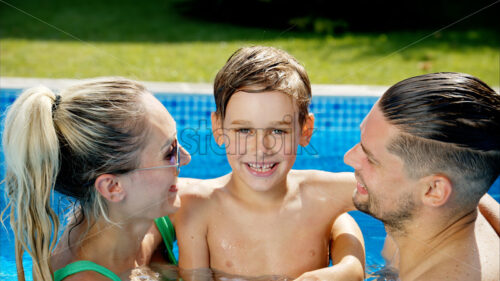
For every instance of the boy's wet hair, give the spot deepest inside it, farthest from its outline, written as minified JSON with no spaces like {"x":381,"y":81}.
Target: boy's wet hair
{"x":449,"y":123}
{"x":259,"y":69}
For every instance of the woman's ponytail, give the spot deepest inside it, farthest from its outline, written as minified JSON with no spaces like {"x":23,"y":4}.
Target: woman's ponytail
{"x":31,"y":148}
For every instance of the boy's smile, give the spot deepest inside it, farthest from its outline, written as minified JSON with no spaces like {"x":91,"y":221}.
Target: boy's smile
{"x":262,"y":169}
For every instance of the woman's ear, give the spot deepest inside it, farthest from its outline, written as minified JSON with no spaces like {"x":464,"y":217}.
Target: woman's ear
{"x":437,"y":190}
{"x":110,"y":187}
{"x":307,"y":130}
{"x":217,"y":129}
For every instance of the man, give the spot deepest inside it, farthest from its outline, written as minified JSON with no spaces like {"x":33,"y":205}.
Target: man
{"x":429,"y":150}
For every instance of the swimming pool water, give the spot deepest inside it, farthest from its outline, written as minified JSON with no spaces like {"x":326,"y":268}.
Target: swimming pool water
{"x":336,"y":130}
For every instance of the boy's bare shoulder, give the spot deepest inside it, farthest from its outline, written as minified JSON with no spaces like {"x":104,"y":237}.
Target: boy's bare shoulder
{"x":323,"y":179}
{"x":197,"y":195}
{"x":202,"y":188}
{"x":326,"y":187}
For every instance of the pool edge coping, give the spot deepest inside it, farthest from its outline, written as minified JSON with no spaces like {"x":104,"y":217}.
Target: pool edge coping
{"x":190,"y":88}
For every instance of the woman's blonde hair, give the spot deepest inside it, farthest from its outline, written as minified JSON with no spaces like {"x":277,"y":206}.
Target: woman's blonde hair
{"x":64,"y":142}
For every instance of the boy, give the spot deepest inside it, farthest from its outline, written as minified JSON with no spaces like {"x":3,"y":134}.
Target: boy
{"x":264,"y":218}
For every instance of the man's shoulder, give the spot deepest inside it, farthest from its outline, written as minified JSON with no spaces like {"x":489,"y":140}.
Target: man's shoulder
{"x":488,"y":244}
{"x":456,"y":270}
{"x":476,"y":258}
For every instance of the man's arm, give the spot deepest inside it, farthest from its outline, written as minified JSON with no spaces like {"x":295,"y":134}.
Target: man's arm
{"x":347,"y":251}
{"x":490,"y":209}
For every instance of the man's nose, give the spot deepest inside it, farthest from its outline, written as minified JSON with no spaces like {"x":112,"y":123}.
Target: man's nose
{"x":351,"y":157}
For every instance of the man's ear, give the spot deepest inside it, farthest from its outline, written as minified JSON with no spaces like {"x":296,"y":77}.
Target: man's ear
{"x":437,"y":190}
{"x":110,"y":187}
{"x":307,"y":130}
{"x":217,"y":130}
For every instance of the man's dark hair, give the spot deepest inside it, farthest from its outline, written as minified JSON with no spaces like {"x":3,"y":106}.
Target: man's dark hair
{"x":449,"y":124}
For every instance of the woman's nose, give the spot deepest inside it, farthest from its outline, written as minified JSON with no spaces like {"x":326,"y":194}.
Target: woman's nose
{"x":184,"y":155}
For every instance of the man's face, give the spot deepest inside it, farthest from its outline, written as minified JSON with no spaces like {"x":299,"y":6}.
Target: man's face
{"x":383,"y":188}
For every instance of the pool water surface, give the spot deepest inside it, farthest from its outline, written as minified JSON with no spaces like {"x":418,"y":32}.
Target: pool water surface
{"x":337,"y":120}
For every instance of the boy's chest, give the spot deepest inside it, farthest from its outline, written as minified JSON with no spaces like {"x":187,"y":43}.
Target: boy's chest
{"x":260,"y":243}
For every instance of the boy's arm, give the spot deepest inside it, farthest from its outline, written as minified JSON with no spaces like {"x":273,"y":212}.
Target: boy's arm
{"x":490,"y":209}
{"x":153,"y":240}
{"x":191,"y":223}
{"x":347,"y":242}
{"x":347,"y":252}
{"x":191,"y":229}
{"x":390,"y":252}
{"x":149,"y":245}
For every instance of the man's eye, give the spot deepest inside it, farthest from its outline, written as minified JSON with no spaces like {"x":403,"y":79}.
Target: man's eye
{"x":279,"y":131}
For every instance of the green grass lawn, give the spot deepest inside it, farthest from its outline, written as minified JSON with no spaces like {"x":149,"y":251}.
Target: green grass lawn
{"x":151,"y":41}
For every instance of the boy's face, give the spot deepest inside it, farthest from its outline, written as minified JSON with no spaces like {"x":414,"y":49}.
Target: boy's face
{"x":261,"y":133}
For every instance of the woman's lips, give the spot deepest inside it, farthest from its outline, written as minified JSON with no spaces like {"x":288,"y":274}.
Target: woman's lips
{"x":173,"y":188}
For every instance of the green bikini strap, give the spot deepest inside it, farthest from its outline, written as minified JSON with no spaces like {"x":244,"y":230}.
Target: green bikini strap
{"x":79,"y":266}
{"x":167,"y":231}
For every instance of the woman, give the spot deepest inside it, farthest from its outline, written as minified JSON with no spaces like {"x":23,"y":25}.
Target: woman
{"x":111,"y":146}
